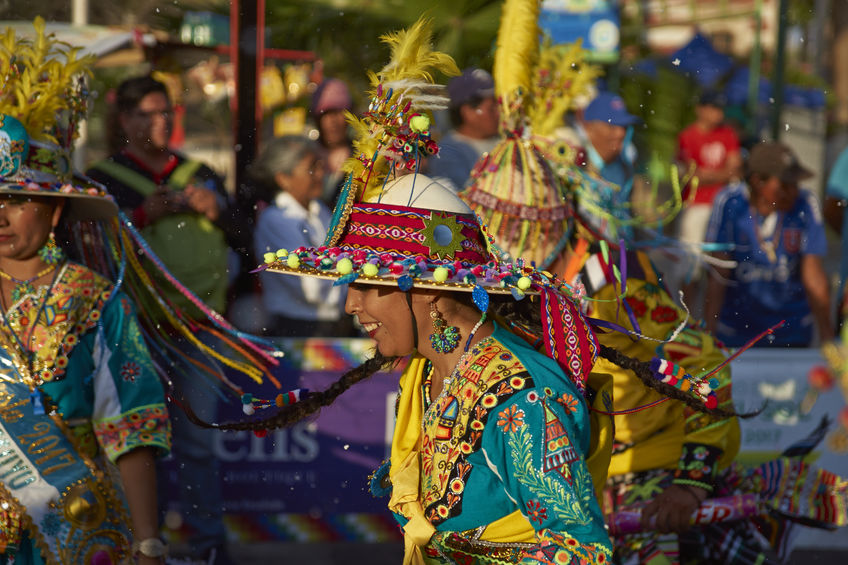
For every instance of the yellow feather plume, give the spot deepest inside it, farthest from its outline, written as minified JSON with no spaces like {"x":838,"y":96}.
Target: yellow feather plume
{"x":409,"y":78}
{"x":38,"y":78}
{"x":517,"y":50}
{"x":562,"y":76}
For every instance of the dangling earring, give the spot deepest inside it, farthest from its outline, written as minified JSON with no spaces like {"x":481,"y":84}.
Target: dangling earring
{"x":444,"y":338}
{"x":51,"y":253}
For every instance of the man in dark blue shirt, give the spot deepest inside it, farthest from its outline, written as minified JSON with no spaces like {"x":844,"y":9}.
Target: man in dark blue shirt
{"x":774,"y":233}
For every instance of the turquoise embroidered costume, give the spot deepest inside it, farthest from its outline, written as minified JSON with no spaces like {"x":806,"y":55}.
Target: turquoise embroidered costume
{"x":94,"y":368}
{"x":511,"y":431}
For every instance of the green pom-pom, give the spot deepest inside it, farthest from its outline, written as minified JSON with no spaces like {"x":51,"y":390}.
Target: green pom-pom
{"x":369,"y":269}
{"x":293,"y":261}
{"x":282,"y":253}
{"x":269,"y":257}
{"x":524,"y":283}
{"x":344,"y":266}
{"x":419,"y":123}
{"x":440,"y":274}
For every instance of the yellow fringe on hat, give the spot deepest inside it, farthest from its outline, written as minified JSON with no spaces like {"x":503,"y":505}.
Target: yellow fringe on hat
{"x":409,"y":74}
{"x":517,"y":50}
{"x":38,"y":82}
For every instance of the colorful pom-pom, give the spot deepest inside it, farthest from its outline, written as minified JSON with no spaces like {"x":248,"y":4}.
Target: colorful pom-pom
{"x":440,"y":274}
{"x":282,"y":253}
{"x":248,"y":409}
{"x":370,"y":270}
{"x":260,"y":433}
{"x":711,"y":402}
{"x":293,"y":261}
{"x":269,"y":257}
{"x":247,"y":398}
{"x":524,"y":283}
{"x":404,"y":283}
{"x":344,"y":266}
{"x":419,"y":123}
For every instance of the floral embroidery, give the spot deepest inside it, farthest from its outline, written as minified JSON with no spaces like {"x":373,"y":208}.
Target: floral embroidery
{"x":147,"y":425}
{"x":562,"y":549}
{"x":510,"y":419}
{"x":569,"y":504}
{"x":568,"y":402}
{"x":697,"y":465}
{"x":663,"y":314}
{"x":536,"y":512}
{"x":72,"y":309}
{"x":493,"y":376}
{"x":639,"y":307}
{"x":129,"y":371}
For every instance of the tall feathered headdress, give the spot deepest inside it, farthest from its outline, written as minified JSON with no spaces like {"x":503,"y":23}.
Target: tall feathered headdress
{"x":521,"y":188}
{"x":394,"y":134}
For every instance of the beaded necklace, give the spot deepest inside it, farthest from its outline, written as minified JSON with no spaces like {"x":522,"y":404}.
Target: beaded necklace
{"x":24,"y":287}
{"x":466,"y":352}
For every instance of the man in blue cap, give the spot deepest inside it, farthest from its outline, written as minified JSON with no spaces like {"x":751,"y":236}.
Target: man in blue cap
{"x":605,"y":129}
{"x":475,"y":118}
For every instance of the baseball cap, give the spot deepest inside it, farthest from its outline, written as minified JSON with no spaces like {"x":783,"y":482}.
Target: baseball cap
{"x":472,"y":83}
{"x":610,"y":108}
{"x":770,"y":158}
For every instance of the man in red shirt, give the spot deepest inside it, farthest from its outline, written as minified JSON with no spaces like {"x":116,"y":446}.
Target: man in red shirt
{"x":713,"y":148}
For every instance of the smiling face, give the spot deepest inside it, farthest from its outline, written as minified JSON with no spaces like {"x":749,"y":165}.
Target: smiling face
{"x":25,"y":224}
{"x":385,"y":315}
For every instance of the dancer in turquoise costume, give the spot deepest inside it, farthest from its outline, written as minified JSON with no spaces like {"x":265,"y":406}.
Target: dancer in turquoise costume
{"x":77,"y":384}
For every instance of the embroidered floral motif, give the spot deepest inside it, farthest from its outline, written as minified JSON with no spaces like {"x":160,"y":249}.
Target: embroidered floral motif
{"x":639,"y":308}
{"x":663,"y":314}
{"x":146,"y":425}
{"x":536,"y":512}
{"x":568,"y":402}
{"x":72,"y":309}
{"x":129,"y":371}
{"x":569,"y":504}
{"x":510,"y":419}
{"x":492,"y":377}
{"x":697,"y":465}
{"x":562,"y":549}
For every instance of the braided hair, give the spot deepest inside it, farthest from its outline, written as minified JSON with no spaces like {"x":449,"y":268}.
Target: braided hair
{"x":293,"y":413}
{"x":525,"y":318}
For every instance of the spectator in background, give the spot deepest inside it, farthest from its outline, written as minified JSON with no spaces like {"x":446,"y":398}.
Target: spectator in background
{"x":474,"y":115}
{"x":296,"y":306}
{"x":181,"y":208}
{"x":604,"y":130}
{"x":329,"y":103}
{"x":777,"y":238}
{"x":712,"y":147}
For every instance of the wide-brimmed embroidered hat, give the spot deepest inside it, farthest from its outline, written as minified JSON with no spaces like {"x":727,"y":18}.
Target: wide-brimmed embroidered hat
{"x":393,"y":226}
{"x":418,"y":233}
{"x":36,"y":138}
